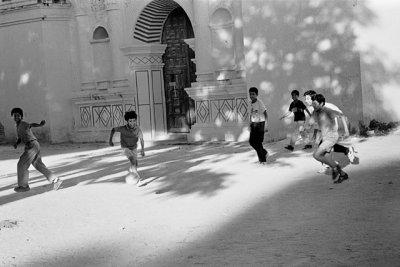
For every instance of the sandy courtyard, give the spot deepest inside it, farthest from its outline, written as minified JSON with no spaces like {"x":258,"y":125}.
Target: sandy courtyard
{"x":203,"y":205}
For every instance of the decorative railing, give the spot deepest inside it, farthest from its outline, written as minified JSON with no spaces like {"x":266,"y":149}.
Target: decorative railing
{"x":102,"y":104}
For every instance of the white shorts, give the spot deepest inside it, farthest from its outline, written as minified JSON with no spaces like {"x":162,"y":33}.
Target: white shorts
{"x":130,"y":153}
{"x":329,"y":141}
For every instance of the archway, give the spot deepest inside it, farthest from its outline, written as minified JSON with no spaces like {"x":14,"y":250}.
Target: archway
{"x":179,"y":71}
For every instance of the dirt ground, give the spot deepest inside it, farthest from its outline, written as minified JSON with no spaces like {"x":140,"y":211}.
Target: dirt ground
{"x":203,"y":205}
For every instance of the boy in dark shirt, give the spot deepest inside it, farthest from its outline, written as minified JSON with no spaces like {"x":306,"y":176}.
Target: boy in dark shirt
{"x":298,"y":108}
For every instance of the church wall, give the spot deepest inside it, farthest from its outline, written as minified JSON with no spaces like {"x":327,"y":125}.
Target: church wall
{"x":35,"y":70}
{"x":49,"y":64}
{"x":379,"y":42}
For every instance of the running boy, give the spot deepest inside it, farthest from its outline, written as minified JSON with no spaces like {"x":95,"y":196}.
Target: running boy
{"x":325,"y":117}
{"x":130,"y":134}
{"x":31,"y":153}
{"x":258,"y":120}
{"x":298,"y":108}
{"x":348,"y":151}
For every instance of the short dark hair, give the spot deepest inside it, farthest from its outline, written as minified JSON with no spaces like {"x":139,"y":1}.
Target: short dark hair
{"x":295,"y":92}
{"x":319,"y":98}
{"x":310,"y":93}
{"x":130,"y":115}
{"x":254,"y":90}
{"x":18,"y":111}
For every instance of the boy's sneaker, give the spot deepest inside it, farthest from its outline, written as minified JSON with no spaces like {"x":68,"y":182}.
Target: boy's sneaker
{"x":350,"y":154}
{"x":57,"y":184}
{"x":266,"y":155}
{"x":325,"y":169}
{"x":20,"y":189}
{"x":342,"y":178}
{"x":307,"y":147}
{"x":335,"y":173}
{"x":289,"y":147}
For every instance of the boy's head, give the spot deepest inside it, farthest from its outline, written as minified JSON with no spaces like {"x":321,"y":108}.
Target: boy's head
{"x":295,"y":94}
{"x":130,"y":117}
{"x":318,"y":101}
{"x":309,"y":95}
{"x":17,"y":113}
{"x":253,"y":93}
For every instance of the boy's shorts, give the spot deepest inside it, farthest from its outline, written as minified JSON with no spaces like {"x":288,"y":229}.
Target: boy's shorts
{"x":130,"y":153}
{"x":329,"y":141}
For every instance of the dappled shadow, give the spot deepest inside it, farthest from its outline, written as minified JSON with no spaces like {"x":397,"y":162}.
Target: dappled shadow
{"x":307,"y":45}
{"x":178,"y":169}
{"x":311,"y":223}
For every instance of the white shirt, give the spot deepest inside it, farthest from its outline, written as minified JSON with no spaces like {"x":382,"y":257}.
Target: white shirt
{"x":257,"y":111}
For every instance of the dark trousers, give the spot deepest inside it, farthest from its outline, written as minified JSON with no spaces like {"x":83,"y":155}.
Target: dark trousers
{"x":256,"y":139}
{"x":340,"y":149}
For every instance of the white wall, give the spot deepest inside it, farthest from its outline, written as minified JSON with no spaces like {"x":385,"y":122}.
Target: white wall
{"x":303,"y":45}
{"x":379,"y":43}
{"x":36,"y":70}
{"x":22,"y":73}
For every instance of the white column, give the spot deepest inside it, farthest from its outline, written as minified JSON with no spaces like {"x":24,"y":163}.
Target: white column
{"x":85,"y":49}
{"x":116,"y":37}
{"x":204,"y":65}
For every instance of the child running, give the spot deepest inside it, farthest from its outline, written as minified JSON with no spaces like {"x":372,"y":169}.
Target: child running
{"x":31,"y":153}
{"x":338,"y":148}
{"x":325,"y":117}
{"x":130,"y":134}
{"x":298,"y":108}
{"x":258,"y":120}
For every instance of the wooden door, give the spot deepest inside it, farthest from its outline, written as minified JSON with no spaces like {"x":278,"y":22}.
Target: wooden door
{"x":179,"y":71}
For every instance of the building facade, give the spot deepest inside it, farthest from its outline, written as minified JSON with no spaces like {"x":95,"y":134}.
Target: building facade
{"x":184,"y":66}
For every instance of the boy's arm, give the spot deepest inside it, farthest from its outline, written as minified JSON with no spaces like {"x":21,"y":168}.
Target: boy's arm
{"x":111,"y":137}
{"x":141,"y":143}
{"x":265,"y":115}
{"x":284,"y":116}
{"x":17,"y":142}
{"x":334,"y":112}
{"x":308,"y":112}
{"x":266,"y":121}
{"x":43,"y":122}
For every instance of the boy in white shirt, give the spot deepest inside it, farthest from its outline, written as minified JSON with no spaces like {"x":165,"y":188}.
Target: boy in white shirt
{"x":258,"y":121}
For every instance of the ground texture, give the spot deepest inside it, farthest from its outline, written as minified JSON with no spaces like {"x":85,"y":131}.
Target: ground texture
{"x":203,"y":205}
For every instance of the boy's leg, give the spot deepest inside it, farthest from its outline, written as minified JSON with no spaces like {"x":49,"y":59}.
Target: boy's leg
{"x":340,"y":149}
{"x":348,"y":151}
{"x":131,"y":154}
{"x":24,"y":162}
{"x":41,"y":167}
{"x":295,"y":134}
{"x":256,"y":139}
{"x":260,"y":138}
{"x":322,"y":154}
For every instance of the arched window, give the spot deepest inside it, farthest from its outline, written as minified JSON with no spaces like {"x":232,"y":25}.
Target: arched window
{"x":221,"y":24}
{"x":103,"y":68}
{"x":100,"y":33}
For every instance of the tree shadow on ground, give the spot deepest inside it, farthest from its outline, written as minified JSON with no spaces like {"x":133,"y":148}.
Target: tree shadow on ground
{"x":172,"y":169}
{"x":310,"y":223}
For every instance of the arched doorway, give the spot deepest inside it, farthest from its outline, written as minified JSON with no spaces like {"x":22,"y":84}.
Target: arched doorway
{"x":179,"y":71}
